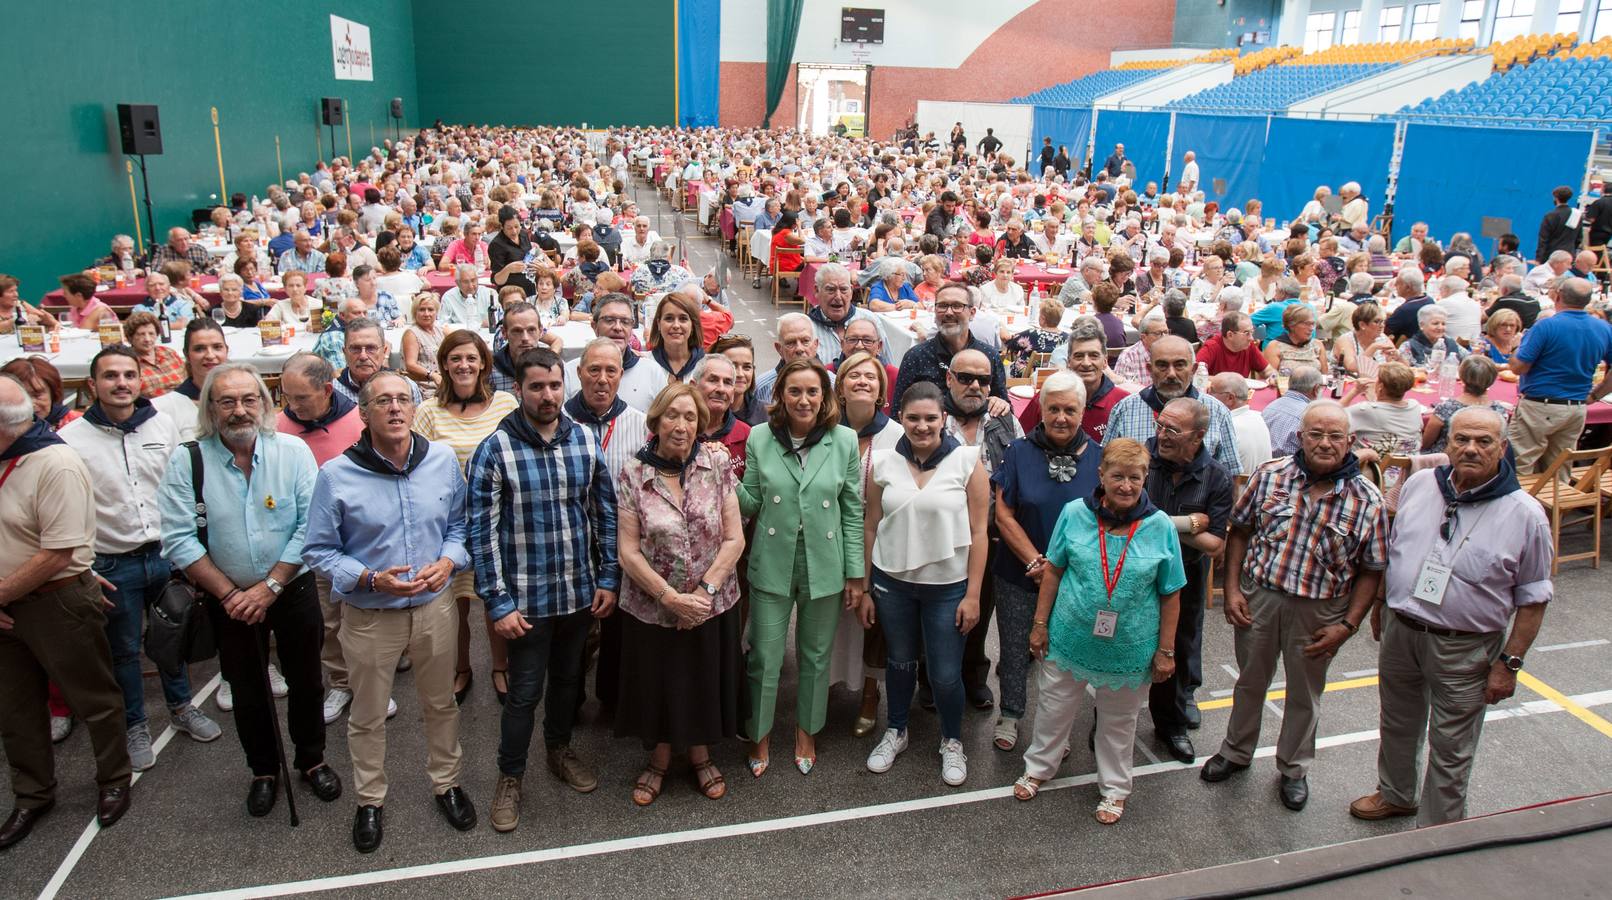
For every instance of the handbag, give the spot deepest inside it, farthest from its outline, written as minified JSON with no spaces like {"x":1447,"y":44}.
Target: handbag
{"x":179,"y":630}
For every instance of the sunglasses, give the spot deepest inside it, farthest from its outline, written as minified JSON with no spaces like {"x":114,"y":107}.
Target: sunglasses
{"x":968,"y":378}
{"x":1446,"y":529}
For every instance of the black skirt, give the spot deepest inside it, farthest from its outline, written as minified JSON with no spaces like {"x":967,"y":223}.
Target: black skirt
{"x":682,"y":688}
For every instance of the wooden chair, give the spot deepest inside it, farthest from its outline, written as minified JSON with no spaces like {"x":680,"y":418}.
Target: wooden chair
{"x":779,"y":276}
{"x":1570,"y":490}
{"x":78,"y":390}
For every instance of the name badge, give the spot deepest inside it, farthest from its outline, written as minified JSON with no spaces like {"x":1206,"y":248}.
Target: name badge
{"x":1431,"y":583}
{"x":1107,"y":622}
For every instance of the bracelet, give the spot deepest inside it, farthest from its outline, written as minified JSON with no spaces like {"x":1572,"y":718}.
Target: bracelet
{"x":371,"y":587}
{"x":1040,"y":623}
{"x":225,"y":598}
{"x":663,"y":592}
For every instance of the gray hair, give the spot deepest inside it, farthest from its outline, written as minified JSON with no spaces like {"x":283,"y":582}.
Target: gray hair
{"x":206,"y":425}
{"x":1560,"y":256}
{"x":1175,"y":302}
{"x":1485,"y":412}
{"x":1064,"y":381}
{"x":1325,"y":404}
{"x":1232,"y":299}
{"x":15,"y":418}
{"x":830,"y":270}
{"x":1453,"y":284}
{"x":706,"y":362}
{"x":1092,"y":262}
{"x":311,"y":366}
{"x":1428,"y":312}
{"x":1289,"y":287}
{"x":891,"y":266}
{"x":1361,"y":283}
{"x":1511,"y":283}
{"x":1575,"y":292}
{"x":1306,"y":380}
{"x":1376,"y":244}
{"x":1158,"y":254}
{"x":1087,"y":328}
{"x":463,"y":269}
{"x":366,"y":323}
{"x":231,"y":276}
{"x":661,"y":250}
{"x":1231,"y":383}
{"x":602,"y":343}
{"x":1199,"y":412}
{"x":1411,"y":277}
{"x":793,"y":318}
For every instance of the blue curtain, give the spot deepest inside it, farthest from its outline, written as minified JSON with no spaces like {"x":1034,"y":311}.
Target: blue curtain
{"x":1451,"y":176}
{"x":1146,"y":135}
{"x":699,"y":61}
{"x":1303,"y":154}
{"x":1068,"y":127}
{"x":1229,"y":150}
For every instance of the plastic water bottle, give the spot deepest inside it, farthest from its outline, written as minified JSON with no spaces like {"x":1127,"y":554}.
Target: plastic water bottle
{"x":1200,"y":378}
{"x":1449,"y":376}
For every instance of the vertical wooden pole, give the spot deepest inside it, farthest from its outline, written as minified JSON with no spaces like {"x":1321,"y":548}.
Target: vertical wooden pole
{"x":278,"y":165}
{"x":134,"y":203}
{"x":347,"y":125}
{"x":218,"y":147}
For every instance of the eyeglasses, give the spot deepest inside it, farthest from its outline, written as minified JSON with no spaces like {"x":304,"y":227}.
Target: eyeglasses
{"x":950,"y":307}
{"x":363,"y":349}
{"x":230,"y":404}
{"x":616,"y":320}
{"x":391,"y":400}
{"x":1326,"y":437}
{"x":858,"y":341}
{"x":968,"y":378}
{"x":1172,"y":431}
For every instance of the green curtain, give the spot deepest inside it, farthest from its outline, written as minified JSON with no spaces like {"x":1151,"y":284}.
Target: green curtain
{"x":783,"y":25}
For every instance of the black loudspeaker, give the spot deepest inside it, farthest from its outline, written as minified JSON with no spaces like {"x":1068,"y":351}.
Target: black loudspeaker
{"x":330,"y":110}
{"x":397,"y":107}
{"x":139,"y":128}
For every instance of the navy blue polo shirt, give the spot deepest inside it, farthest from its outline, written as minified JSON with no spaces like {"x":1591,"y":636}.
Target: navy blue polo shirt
{"x":1562,"y":352}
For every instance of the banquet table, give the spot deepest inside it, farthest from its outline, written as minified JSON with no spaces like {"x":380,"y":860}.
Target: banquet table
{"x":134,"y":293}
{"x":1599,"y":413}
{"x":1027,"y":274}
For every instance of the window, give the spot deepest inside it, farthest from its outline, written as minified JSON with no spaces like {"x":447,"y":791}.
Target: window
{"x":1568,"y":15}
{"x":1318,"y":30}
{"x":1424,"y":21}
{"x":1472,"y":19}
{"x":1351,"y":27}
{"x":1388,"y":26}
{"x":1513,"y":18}
{"x":1603,"y":20}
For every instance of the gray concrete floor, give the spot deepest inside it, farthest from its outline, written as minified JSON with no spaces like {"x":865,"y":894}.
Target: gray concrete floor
{"x":841,"y":830}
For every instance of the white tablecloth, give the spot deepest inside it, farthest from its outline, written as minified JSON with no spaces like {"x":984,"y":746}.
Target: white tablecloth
{"x":761,"y":246}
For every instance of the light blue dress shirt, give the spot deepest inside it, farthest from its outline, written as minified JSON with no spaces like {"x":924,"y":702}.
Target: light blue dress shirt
{"x":363,"y":519}
{"x":252,"y":525}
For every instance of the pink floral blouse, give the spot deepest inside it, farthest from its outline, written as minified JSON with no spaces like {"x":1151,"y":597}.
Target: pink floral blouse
{"x":680,"y":544}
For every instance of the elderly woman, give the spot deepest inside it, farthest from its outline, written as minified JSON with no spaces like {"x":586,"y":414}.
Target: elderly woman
{"x":800,"y":486}
{"x":335,"y":286}
{"x":1390,"y":424}
{"x":84,"y":309}
{"x":1002,"y":292}
{"x":294,"y":309}
{"x":1041,"y":473}
{"x":14,"y":312}
{"x":232,"y":302}
{"x":44,"y":386}
{"x":928,"y":503}
{"x":680,"y":537}
{"x":1364,"y":340}
{"x":1478,"y":374}
{"x":1112,"y":633}
{"x":890,"y":290}
{"x":1044,"y":337}
{"x":659,"y":274}
{"x":246,"y":269}
{"x":462,"y":414}
{"x":420,"y":343}
{"x":161,"y":368}
{"x":934,"y":269}
{"x":1298,"y":346}
{"x":862,"y":389}
{"x":1432,"y":322}
{"x":549,"y":299}
{"x":1502,"y":335}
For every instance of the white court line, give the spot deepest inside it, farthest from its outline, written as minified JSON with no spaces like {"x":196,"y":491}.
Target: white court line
{"x":1572,"y":646}
{"x":788,"y":823}
{"x":94,"y":828}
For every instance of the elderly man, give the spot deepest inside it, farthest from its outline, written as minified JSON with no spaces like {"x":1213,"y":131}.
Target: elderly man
{"x":1088,"y":358}
{"x":365,"y":351}
{"x":635,"y":247}
{"x":180,"y":248}
{"x":125,"y":446}
{"x":1170,"y":370}
{"x":1077,"y":289}
{"x":797,"y":339}
{"x":716,"y":379}
{"x":1283,"y":415}
{"x":165,"y":303}
{"x":388,"y":528}
{"x":303,"y":255}
{"x":1411,"y":244}
{"x":1196,"y":493}
{"x":1513,"y":297}
{"x":1253,"y":437}
{"x":245,"y":554}
{"x":205,"y":349}
{"x":1234,"y":350}
{"x":543,"y":535}
{"x":1411,"y":288}
{"x":834,"y":313}
{"x":1446,"y":656}
{"x":1132,"y":365}
{"x":618,"y":426}
{"x":469,"y":302}
{"x":1051,"y":242}
{"x":1355,"y":211}
{"x":1465,"y":314}
{"x":613,"y":318}
{"x":927,"y":361}
{"x":1304,"y":559}
{"x":1540,"y":278}
{"x":53,"y":625}
{"x":1269,"y":316}
{"x":1557,"y":362}
{"x":328,"y":423}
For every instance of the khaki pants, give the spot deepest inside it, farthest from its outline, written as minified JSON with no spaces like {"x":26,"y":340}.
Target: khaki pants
{"x":1058,"y":704}
{"x":330,"y":657}
{"x":1283,"y":624}
{"x":372,"y":640}
{"x":1419,"y":674}
{"x":1539,"y":432}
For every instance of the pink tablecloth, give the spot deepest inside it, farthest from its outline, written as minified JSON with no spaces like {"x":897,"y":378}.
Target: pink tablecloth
{"x":1027,"y":274}
{"x":122,"y":298}
{"x":1504,"y":391}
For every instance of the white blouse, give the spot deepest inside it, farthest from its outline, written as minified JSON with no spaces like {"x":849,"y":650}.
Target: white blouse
{"x":924,"y":533}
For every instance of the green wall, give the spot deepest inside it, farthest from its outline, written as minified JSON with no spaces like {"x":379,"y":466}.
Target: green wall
{"x":69,"y":64}
{"x":546,"y":63}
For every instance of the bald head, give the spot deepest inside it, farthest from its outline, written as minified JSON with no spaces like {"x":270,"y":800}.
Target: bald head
{"x":1230,"y":389}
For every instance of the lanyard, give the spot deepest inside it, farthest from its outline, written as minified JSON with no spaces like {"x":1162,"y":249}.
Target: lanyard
{"x":1102,"y":544}
{"x":604,"y":443}
{"x":9,"y":466}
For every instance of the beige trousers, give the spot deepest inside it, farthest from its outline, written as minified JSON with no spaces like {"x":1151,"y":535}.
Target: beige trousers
{"x":372,"y":640}
{"x":1058,"y":704}
{"x":1539,"y":432}
{"x":330,"y":658}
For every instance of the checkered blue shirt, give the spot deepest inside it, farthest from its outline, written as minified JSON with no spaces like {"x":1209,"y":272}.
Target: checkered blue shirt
{"x":1133,"y":418}
{"x":539,"y":511}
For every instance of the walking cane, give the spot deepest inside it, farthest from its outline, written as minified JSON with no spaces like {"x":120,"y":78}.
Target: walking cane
{"x":274,"y":717}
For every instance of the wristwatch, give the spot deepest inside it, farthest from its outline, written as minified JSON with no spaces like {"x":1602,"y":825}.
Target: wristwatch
{"x":710,"y":589}
{"x":1513,"y":663}
{"x":1168,"y":654}
{"x":274,"y":587}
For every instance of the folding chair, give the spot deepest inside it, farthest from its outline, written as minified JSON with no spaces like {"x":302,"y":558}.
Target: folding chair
{"x":1570,"y":490}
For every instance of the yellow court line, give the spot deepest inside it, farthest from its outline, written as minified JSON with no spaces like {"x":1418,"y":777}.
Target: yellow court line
{"x":1368,"y":681}
{"x":1562,"y":700}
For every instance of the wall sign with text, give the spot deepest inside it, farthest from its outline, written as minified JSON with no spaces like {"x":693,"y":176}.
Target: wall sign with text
{"x":349,"y":42}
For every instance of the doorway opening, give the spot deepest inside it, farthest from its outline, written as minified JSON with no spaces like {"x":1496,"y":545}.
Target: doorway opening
{"x":832,"y":99}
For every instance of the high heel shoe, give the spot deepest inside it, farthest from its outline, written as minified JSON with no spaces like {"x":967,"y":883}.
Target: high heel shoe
{"x":865,"y":724}
{"x":805,"y":763}
{"x":500,"y":693}
{"x":758,"y":767}
{"x":460,"y":695}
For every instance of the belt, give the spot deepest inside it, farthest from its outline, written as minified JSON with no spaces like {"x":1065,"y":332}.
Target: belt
{"x":146,"y":549}
{"x":1556,"y":401}
{"x":1418,"y":625}
{"x":60,"y":583}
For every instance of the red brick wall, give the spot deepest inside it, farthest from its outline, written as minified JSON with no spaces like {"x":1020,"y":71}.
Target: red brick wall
{"x":1051,"y":42}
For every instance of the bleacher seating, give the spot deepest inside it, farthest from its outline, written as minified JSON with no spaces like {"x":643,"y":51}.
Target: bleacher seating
{"x":1526,"y":48}
{"x":1085,"y":90}
{"x":1575,"y":92}
{"x":1259,"y":59}
{"x":1276,"y":87}
{"x":1225,"y":54}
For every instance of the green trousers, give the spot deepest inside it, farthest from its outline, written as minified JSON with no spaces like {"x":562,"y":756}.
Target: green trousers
{"x":814,"y":643}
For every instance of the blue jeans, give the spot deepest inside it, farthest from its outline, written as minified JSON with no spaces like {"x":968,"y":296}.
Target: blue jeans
{"x":922,"y":616}
{"x":552,"y":649}
{"x":139,"y":578}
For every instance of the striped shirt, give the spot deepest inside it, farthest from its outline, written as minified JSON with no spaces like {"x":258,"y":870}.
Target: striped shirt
{"x":438,"y":423}
{"x":539,"y":510}
{"x":1307,"y":547}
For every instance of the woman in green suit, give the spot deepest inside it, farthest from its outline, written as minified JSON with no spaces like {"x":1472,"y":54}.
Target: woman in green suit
{"x":800,"y":486}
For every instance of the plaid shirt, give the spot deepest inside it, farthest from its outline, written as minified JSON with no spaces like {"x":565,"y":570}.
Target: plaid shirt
{"x":200,"y":262}
{"x":1314,"y":550}
{"x":1133,"y":418}
{"x":539,"y":511}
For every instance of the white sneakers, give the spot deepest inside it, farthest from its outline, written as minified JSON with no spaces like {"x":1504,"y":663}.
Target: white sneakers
{"x":953,"y":762}
{"x":336,"y":700}
{"x":225,"y":698}
{"x":277,"y":687}
{"x":885,"y":752}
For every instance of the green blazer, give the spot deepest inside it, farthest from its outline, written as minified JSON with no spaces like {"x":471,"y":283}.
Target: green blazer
{"x":820,"y":501}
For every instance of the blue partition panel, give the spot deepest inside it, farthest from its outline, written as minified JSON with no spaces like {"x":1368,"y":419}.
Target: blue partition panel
{"x":1068,"y":127}
{"x":1451,"y":176}
{"x":699,"y":67}
{"x":1302,"y":154}
{"x":1145,"y":135}
{"x":1229,"y":151}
